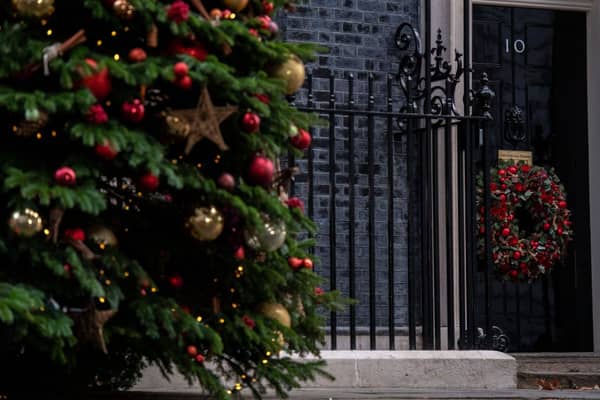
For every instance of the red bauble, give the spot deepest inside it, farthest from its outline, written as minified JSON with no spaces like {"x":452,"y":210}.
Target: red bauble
{"x":137,"y":55}
{"x":199,"y":358}
{"x":263,"y":98}
{"x":308,"y":263}
{"x":295,"y":262}
{"x":65,"y":176}
{"x":194,"y":49}
{"x":319,"y":291}
{"x":261,"y":171}
{"x":302,"y":140}
{"x":134,"y":111}
{"x":295,"y":202}
{"x":99,"y":82}
{"x":105,"y":151}
{"x":251,"y":122}
{"x":192,"y":350}
{"x":185,"y":82}
{"x":148,"y":182}
{"x":268,"y":7}
{"x":76,"y":234}
{"x":240,"y":253}
{"x":97,"y":115}
{"x":253,"y":32}
{"x":505,"y":232}
{"x":181,"y":69}
{"x":226,"y":181}
{"x":249,"y":322}
{"x":178,"y":11}
{"x":176,"y":281}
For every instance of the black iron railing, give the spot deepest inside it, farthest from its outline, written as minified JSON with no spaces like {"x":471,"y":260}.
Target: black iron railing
{"x":419,"y":167}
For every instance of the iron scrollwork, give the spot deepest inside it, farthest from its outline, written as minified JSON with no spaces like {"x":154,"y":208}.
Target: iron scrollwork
{"x":443,"y":76}
{"x":496,"y":339}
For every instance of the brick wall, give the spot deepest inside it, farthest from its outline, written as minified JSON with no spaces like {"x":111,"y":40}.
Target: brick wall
{"x":359,"y":37}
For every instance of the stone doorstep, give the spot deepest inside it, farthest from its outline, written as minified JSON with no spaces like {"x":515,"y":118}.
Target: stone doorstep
{"x":391,"y":369}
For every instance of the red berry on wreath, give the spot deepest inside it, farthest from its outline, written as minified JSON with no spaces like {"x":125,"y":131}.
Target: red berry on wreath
{"x":514,"y":241}
{"x":148,"y":182}
{"x":562,"y":204}
{"x":181,"y":69}
{"x":503,"y":186}
{"x":514,"y":273}
{"x":137,"y":55}
{"x":523,"y":266}
{"x":295,"y":262}
{"x":192,"y":350}
{"x":200,"y":358}
{"x":295,"y":202}
{"x":105,"y":151}
{"x":267,"y":7}
{"x":502,"y":197}
{"x":517,"y":255}
{"x":546,"y":226}
{"x":493,"y":187}
{"x":65,"y":176}
{"x":525,"y":168}
{"x":481,"y":230}
{"x":134,"y":111}
{"x":559,"y":231}
{"x":176,"y":281}
{"x":251,"y":122}
{"x":519,"y":187}
{"x":505,"y":232}
{"x":512,"y":170}
{"x":502,"y":172}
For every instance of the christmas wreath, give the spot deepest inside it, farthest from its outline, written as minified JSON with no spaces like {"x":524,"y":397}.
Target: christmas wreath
{"x":531,"y":224}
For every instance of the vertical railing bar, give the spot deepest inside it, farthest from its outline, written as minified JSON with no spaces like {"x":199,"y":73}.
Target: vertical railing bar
{"x":436,"y":240}
{"x":470,"y":204}
{"x":351,"y":211}
{"x":391,"y":219}
{"x":371,"y":184}
{"x":449,"y":220}
{"x":310,"y":162}
{"x":485,"y":161}
{"x":412,"y":278}
{"x":332,"y":198}
{"x":428,"y":337}
{"x":461,"y":235}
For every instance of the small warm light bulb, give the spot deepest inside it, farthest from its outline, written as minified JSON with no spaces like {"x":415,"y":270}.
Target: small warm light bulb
{"x":199,"y":165}
{"x":102,"y":300}
{"x":268,"y":353}
{"x":174,"y":161}
{"x":46,"y":231}
{"x":229,"y":392}
{"x":101,"y":272}
{"x":232,"y":290}
{"x":38,"y":135}
{"x":221,"y":320}
{"x":102,"y":246}
{"x":234,"y":305}
{"x":126,"y":29}
{"x":199,"y":318}
{"x":126,"y":274}
{"x":42,"y":308}
{"x":113,"y":33}
{"x":265,"y":361}
{"x":108,"y":282}
{"x":14,"y":128}
{"x":117,"y":57}
{"x":49,"y":32}
{"x":154,"y":290}
{"x":43,"y":22}
{"x":241,"y":268}
{"x":53,"y":133}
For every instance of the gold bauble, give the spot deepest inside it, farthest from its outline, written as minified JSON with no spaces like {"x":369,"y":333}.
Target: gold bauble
{"x":235,"y":5}
{"x":28,"y":128}
{"x":33,"y":8}
{"x":206,"y":223}
{"x":123,"y":9}
{"x":26,"y":222}
{"x":102,"y":236}
{"x":292,"y":72}
{"x":268,"y":237}
{"x":277,"y":312}
{"x":177,"y":127}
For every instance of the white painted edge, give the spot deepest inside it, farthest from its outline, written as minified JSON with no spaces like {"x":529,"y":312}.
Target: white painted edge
{"x":574,"y":5}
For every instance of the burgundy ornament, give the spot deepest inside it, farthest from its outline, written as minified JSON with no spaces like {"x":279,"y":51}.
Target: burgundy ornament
{"x":76,"y":234}
{"x":251,"y":122}
{"x":226,"y":181}
{"x":295,"y":202}
{"x":249,"y":322}
{"x":98,"y":82}
{"x":181,"y":69}
{"x":148,"y":182}
{"x":178,"y":11}
{"x":96,"y":115}
{"x":176,"y":281}
{"x":137,"y":55}
{"x":105,"y":151}
{"x":65,"y":176}
{"x":133,"y":111}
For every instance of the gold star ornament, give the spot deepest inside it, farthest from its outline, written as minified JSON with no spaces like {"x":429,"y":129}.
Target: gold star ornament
{"x":203,"y":122}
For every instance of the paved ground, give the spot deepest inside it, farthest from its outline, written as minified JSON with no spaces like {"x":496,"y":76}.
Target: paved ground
{"x":377,"y":394}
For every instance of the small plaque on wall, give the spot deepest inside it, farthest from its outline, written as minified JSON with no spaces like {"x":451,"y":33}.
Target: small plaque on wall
{"x":517,"y":156}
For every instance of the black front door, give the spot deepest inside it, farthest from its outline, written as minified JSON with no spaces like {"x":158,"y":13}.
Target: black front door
{"x":536,"y":60}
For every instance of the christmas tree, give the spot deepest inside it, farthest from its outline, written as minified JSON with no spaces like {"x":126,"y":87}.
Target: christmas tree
{"x":147,"y":216}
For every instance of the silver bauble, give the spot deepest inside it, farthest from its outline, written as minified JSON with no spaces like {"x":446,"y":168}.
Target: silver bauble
{"x":268,"y":237}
